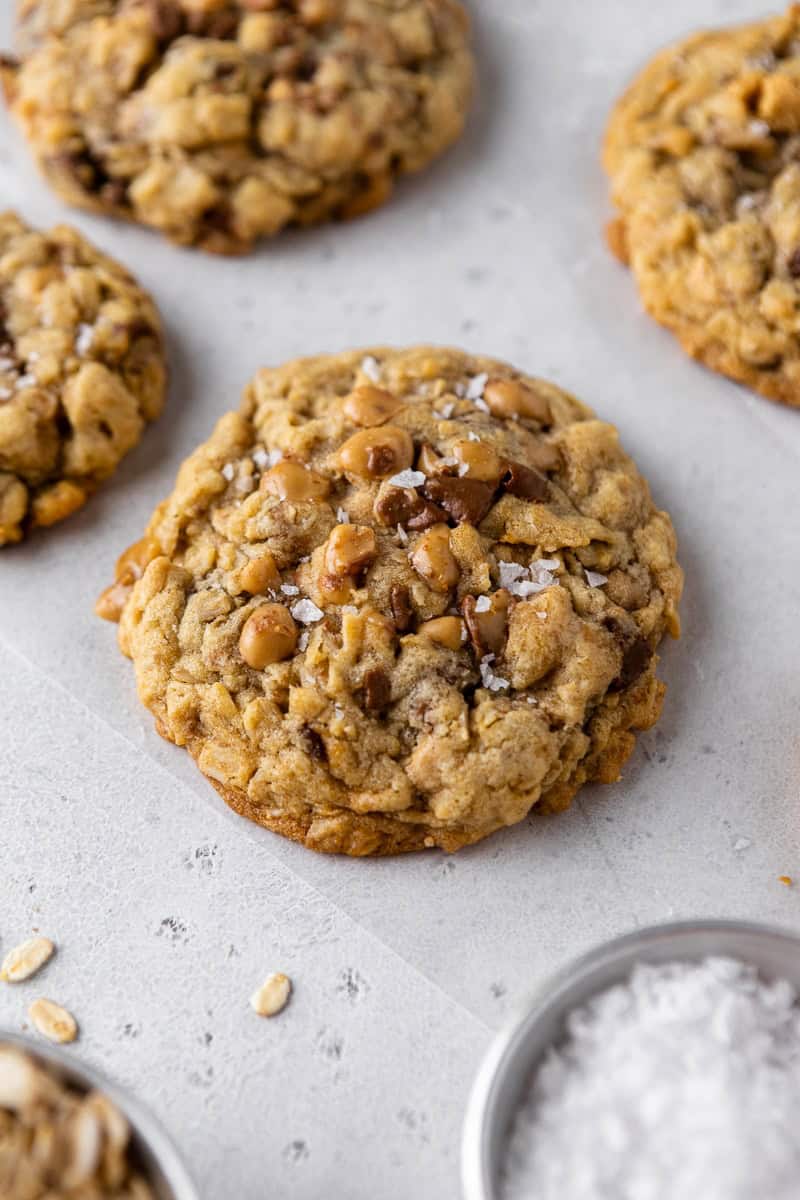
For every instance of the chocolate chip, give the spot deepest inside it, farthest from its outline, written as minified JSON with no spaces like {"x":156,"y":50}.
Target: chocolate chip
{"x":635,"y":660}
{"x":793,"y":263}
{"x":377,"y":689}
{"x":396,"y":506}
{"x":8,"y":62}
{"x":429,"y":514}
{"x":465,"y":501}
{"x":381,"y":460}
{"x":402,"y":612}
{"x":525,"y":482}
{"x":314,"y":744}
{"x":166,"y":19}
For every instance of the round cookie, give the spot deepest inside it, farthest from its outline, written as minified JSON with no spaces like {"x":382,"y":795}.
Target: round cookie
{"x":400,"y":598}
{"x":81,"y":372}
{"x":222,"y":121}
{"x":703,"y":151}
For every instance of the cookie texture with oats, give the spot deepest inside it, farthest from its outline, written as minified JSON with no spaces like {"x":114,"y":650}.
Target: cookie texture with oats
{"x":399,"y":599}
{"x":219,"y":122}
{"x":82,"y":371}
{"x":703,"y":151}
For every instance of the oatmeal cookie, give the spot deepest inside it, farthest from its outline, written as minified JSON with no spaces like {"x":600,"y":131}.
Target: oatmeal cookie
{"x":222,"y":121}
{"x":703,"y":151}
{"x":400,"y":598}
{"x":81,"y":372}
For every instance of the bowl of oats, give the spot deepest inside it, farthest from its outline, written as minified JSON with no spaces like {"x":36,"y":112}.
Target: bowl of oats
{"x":68,"y":1134}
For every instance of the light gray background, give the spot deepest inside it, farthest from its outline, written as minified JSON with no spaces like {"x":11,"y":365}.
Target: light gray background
{"x":168,"y":909}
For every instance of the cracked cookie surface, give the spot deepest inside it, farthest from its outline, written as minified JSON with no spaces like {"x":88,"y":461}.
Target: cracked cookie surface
{"x":703,"y":151}
{"x":399,"y":599}
{"x":219,"y":122}
{"x":82,"y":371}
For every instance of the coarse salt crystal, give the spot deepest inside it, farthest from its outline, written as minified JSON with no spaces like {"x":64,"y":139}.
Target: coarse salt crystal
{"x":342,"y":517}
{"x":528,"y":587}
{"x":446,"y":411}
{"x":289,"y":589}
{"x":371,"y":368}
{"x":476,"y":385}
{"x":261,"y":458}
{"x":84,"y":339}
{"x":495,"y":683}
{"x":681,"y":1082}
{"x":403,"y":536}
{"x":472,"y":436}
{"x":228,"y":471}
{"x":547,"y":564}
{"x":26,"y":381}
{"x":408,"y":479}
{"x":302,"y":641}
{"x":306,"y":612}
{"x":463,"y":470}
{"x":595,"y":579}
{"x":274,"y":457}
{"x":510,"y":572}
{"x":482,"y":405}
{"x":483,"y":604}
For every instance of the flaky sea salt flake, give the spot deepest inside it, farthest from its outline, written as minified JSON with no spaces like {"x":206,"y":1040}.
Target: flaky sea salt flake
{"x":408,"y":478}
{"x":371,"y":368}
{"x":306,"y":612}
{"x":342,"y":517}
{"x":228,"y":471}
{"x":476,"y":385}
{"x":289,"y":589}
{"x":84,"y":339}
{"x":483,"y":604}
{"x":595,"y":579}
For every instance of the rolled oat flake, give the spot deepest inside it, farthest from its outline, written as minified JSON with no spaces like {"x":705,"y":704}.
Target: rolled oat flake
{"x":681,"y":1084}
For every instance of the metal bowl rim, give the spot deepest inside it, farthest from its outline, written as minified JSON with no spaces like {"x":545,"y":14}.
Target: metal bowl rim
{"x":146,"y":1129}
{"x":547,"y":996}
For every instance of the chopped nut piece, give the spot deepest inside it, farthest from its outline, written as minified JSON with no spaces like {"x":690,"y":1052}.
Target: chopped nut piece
{"x":524,"y":482}
{"x":273,"y":995}
{"x":477,"y":460}
{"x":445,"y":631}
{"x":377,"y":689}
{"x":52,"y":1021}
{"x":26,"y":959}
{"x":350,"y":548}
{"x":402,"y":612}
{"x":487,"y":624}
{"x":433,"y":559}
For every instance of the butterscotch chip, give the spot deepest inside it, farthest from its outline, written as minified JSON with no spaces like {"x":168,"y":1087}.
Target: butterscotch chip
{"x":703,"y":152}
{"x":82,"y":372}
{"x":219,"y":122}
{"x":432,"y":659}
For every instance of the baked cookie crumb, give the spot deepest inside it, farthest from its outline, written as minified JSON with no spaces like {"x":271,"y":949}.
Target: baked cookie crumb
{"x":401,"y":598}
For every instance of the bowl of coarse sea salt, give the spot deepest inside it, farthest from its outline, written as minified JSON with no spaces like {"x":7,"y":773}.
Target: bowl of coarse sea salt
{"x":662,"y":1066}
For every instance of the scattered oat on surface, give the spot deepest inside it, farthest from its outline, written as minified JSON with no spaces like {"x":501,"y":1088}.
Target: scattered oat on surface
{"x":273,"y":995}
{"x":25,"y":960}
{"x":52,"y":1021}
{"x":58,"y":1143}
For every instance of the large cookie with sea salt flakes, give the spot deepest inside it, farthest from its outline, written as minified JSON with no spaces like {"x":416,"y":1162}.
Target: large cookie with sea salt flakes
{"x":399,"y":599}
{"x":82,"y":372}
{"x":219,"y":122}
{"x":703,"y":151}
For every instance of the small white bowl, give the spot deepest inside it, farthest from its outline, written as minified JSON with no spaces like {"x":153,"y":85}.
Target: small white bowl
{"x":159,"y":1160}
{"x":516,"y":1052}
